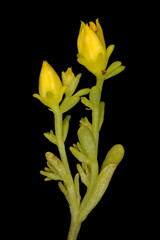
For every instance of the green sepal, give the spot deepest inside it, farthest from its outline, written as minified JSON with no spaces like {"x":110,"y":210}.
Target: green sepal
{"x":95,"y":96}
{"x":114,"y":155}
{"x":99,"y":189}
{"x":65,"y":126}
{"x":87,"y":142}
{"x":68,"y":103}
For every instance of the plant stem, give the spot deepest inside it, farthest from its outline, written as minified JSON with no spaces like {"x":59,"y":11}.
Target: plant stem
{"x":69,"y":183}
{"x":95,"y":114}
{"x":94,"y":167}
{"x":58,"y":131}
{"x":73,"y":230}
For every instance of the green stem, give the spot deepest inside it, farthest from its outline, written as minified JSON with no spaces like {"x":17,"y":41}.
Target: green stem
{"x":61,"y":147}
{"x":99,"y":83}
{"x":69,"y":183}
{"x":95,"y":126}
{"x":95,"y":114}
{"x":94,"y":166}
{"x":73,"y":230}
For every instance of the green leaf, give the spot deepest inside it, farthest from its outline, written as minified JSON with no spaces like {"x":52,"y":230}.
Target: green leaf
{"x":82,"y":174}
{"x":99,"y":189}
{"x":63,"y":190}
{"x":73,"y":85}
{"x":114,"y":69}
{"x":77,"y":188}
{"x":65,"y":126}
{"x":95,"y":96}
{"x":86,"y":102}
{"x":114,"y":155}
{"x":82,"y":92}
{"x":51,"y":137}
{"x":79,"y":155}
{"x":101,"y":113}
{"x":51,"y":175}
{"x":85,"y":122}
{"x":87,"y":142}
{"x":68,"y":103}
{"x":51,"y":168}
{"x":113,"y":66}
{"x":56,"y":163}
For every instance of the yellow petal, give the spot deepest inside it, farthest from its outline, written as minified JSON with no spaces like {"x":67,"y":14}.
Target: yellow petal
{"x":99,"y":33}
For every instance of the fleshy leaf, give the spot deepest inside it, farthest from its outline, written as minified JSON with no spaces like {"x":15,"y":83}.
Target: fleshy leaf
{"x":56,"y":163}
{"x":51,"y":175}
{"x":63,"y":190}
{"x":114,"y":155}
{"x":68,"y":103}
{"x":87,"y":142}
{"x":114,"y":69}
{"x":51,"y":137}
{"x":86,"y":102}
{"x":76,"y":183}
{"x":95,"y":96}
{"x":85,"y":122}
{"x":100,"y":187}
{"x":82,"y":92}
{"x":83,"y":176}
{"x":79,"y":155}
{"x":65,"y":126}
{"x":101,"y":113}
{"x":51,"y":168}
{"x":73,"y":85}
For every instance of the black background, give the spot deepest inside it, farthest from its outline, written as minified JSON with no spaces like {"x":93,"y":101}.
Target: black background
{"x":48,"y":32}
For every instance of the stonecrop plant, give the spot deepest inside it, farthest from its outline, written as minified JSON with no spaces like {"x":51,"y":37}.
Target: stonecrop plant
{"x":59,"y":94}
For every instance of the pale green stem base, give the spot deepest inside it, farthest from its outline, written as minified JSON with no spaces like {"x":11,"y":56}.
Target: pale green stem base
{"x":73,"y":230}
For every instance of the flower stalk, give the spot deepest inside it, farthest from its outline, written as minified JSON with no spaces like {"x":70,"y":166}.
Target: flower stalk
{"x":68,"y":180}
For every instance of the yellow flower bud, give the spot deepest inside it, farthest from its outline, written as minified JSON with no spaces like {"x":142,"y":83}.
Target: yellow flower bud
{"x":70,"y":81}
{"x":49,"y":81}
{"x":92,"y":52}
{"x":51,"y":89}
{"x":67,"y":76}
